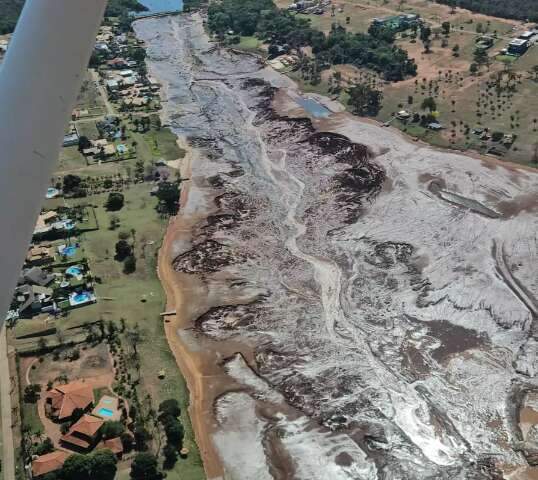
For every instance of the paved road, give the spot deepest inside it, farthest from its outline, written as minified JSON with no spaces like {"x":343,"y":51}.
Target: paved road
{"x":8,"y":455}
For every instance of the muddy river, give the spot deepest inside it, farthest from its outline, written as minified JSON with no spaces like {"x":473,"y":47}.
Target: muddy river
{"x":347,"y":320}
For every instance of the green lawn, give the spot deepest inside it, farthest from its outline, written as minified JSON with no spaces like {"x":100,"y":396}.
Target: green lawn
{"x":249,"y":44}
{"x":31,"y":417}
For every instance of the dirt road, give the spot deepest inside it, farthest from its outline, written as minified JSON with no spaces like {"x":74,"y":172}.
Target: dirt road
{"x":8,"y":454}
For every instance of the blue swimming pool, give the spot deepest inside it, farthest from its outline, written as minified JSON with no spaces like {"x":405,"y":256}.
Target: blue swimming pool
{"x":105,"y":412}
{"x":52,"y":192}
{"x":121,"y":148}
{"x":78,"y":298}
{"x":69,"y":251}
{"x":73,"y":271}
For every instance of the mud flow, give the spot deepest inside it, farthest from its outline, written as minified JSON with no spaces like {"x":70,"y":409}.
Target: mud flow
{"x":358,"y":306}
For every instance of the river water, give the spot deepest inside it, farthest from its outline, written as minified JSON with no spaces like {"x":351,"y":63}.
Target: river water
{"x":389,"y":331}
{"x":158,"y":6}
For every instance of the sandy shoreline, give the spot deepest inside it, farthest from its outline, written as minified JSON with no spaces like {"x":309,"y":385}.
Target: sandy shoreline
{"x":188,"y":363}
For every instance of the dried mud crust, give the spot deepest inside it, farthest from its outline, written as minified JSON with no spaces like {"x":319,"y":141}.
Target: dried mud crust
{"x":208,"y":256}
{"x":217,"y":320}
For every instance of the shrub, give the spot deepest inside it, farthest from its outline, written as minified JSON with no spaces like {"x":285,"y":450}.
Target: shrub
{"x":129,"y":265}
{"x":123,"y":250}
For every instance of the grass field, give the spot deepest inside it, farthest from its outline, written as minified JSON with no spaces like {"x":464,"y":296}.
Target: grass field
{"x":89,"y":97}
{"x":31,"y":418}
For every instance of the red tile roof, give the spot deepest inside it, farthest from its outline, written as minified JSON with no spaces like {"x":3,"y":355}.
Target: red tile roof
{"x":77,"y":441}
{"x":66,"y":398}
{"x":48,"y":463}
{"x":87,"y":425}
{"x":114,"y":444}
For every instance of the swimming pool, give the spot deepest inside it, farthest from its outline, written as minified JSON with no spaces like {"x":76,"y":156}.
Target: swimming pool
{"x":52,"y":192}
{"x":121,"y":148}
{"x":105,"y":412}
{"x":79,"y":298}
{"x":67,"y":251}
{"x":74,"y":271}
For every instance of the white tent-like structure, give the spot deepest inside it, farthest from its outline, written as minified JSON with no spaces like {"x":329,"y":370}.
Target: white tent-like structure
{"x":39,"y":81}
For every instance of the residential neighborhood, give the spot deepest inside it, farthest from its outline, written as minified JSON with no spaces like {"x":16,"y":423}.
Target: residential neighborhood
{"x":75,"y":331}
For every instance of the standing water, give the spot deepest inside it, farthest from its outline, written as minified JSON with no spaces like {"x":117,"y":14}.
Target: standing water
{"x":313,"y":107}
{"x":158,"y":6}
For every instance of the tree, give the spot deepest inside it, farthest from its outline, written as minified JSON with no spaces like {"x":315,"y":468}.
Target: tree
{"x":129,"y":266}
{"x":168,"y":195}
{"x":497,"y":136}
{"x":429,"y":104}
{"x":473,"y":68}
{"x":70,"y":182}
{"x":445,"y":27}
{"x":103,"y":464}
{"x":115,"y":201}
{"x":127,"y":441}
{"x":141,"y":436}
{"x":425,"y":34}
{"x":123,"y":250}
{"x":480,"y":57}
{"x":44,"y":447}
{"x":77,"y":467}
{"x":456,"y":50}
{"x":174,"y":431}
{"x":114,"y":222}
{"x":365,"y":100}
{"x":100,"y":464}
{"x":144,"y":467}
{"x":31,"y":393}
{"x":170,"y":456}
{"x":83,"y":143}
{"x":112,"y":429}
{"x":170,"y":408}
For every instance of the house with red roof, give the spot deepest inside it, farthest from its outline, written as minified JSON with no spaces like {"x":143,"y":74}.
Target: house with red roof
{"x":48,"y":463}
{"x":114,"y":445}
{"x":61,"y":401}
{"x":83,"y":435}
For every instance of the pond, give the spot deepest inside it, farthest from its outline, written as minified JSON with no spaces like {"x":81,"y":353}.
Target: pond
{"x":157,"y":6}
{"x":313,"y":107}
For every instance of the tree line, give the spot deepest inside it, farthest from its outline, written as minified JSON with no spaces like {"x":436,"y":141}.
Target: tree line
{"x":374,"y":50}
{"x":516,"y":9}
{"x":11,"y":9}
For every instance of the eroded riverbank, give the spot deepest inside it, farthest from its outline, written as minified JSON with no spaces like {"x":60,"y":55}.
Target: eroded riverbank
{"x":335,"y":318}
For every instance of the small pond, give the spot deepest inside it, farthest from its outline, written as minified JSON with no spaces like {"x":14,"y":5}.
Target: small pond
{"x":313,"y":107}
